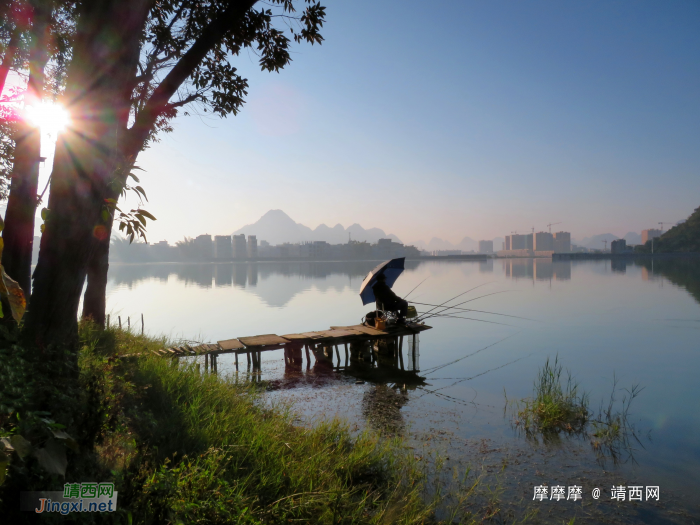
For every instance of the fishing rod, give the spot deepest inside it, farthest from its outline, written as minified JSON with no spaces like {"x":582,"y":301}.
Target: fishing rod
{"x":460,"y":295}
{"x":448,"y":316}
{"x":479,"y":311}
{"x":409,"y":293}
{"x":464,"y":302}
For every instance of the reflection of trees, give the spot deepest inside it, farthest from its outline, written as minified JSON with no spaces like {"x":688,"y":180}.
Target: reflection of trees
{"x":681,"y":271}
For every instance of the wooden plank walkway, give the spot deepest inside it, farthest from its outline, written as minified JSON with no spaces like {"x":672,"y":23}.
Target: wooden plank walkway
{"x":292,"y":344}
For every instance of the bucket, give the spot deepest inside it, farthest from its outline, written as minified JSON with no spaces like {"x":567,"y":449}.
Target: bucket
{"x":379,"y":323}
{"x":411,"y":312}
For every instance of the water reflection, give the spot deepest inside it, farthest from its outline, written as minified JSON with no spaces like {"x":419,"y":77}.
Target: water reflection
{"x":537,"y":269}
{"x":683,"y":272}
{"x":390,"y":366}
{"x":240,"y":274}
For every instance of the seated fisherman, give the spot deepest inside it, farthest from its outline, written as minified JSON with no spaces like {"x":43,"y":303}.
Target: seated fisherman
{"x":386,"y":297}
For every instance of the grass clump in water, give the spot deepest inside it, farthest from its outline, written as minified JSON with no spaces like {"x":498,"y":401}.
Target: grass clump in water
{"x":555,"y":407}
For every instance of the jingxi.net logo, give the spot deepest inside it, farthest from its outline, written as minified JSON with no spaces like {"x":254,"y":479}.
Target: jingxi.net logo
{"x":76,"y":497}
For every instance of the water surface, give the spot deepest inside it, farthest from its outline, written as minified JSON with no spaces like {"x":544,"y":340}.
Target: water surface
{"x":637,"y":322}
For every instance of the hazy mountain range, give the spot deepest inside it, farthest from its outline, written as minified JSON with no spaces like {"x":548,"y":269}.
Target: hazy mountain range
{"x":276,"y":227}
{"x":466,"y":245}
{"x":596,"y":241}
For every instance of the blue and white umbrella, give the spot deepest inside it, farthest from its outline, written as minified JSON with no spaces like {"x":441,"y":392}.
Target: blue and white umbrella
{"x":391,"y":270}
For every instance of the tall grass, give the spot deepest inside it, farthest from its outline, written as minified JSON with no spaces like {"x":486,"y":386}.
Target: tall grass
{"x":554,"y":407}
{"x":561,"y":407}
{"x":196,"y":448}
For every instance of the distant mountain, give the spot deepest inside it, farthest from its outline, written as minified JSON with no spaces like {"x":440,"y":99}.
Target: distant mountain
{"x":466,"y":245}
{"x":596,"y":241}
{"x":276,"y":227}
{"x":633,"y":238}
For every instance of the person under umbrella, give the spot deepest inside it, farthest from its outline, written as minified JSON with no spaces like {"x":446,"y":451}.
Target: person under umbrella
{"x":386,"y":297}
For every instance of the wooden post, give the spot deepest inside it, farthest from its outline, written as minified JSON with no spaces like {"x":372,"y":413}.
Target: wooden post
{"x":128,"y":323}
{"x":107,"y":320}
{"x":347,"y":355}
{"x":247,"y":354}
{"x":236,"y":354}
{"x":401,"y":352}
{"x":120,"y":322}
{"x":206,"y":362}
{"x":308,"y":356}
{"x":141,"y":324}
{"x":337,"y":354}
{"x":413,"y":351}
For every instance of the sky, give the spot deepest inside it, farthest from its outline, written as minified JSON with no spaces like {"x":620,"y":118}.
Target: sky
{"x":450,"y":119}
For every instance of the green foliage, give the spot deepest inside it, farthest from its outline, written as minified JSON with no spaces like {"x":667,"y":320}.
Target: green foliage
{"x":554,"y":408}
{"x":684,"y":237}
{"x":187,"y":447}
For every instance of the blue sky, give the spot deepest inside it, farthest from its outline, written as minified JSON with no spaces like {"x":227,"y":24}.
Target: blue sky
{"x":450,"y":119}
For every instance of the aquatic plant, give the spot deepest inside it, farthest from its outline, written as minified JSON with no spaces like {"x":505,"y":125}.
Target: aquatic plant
{"x":554,"y":407}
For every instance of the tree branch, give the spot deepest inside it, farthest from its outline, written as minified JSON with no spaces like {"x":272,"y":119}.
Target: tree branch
{"x":211,"y":36}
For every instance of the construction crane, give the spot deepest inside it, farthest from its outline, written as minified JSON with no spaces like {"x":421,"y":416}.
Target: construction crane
{"x":552,"y":224}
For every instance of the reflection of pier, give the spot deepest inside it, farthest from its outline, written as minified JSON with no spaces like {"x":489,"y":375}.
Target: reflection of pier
{"x":366,"y":350}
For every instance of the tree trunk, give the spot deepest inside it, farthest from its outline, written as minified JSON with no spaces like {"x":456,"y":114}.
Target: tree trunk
{"x":9,"y":56}
{"x":135,"y":138}
{"x":95,"y":298}
{"x":98,"y":90}
{"x":18,"y":235}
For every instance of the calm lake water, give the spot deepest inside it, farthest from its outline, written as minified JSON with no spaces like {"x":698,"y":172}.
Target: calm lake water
{"x":637,"y":323}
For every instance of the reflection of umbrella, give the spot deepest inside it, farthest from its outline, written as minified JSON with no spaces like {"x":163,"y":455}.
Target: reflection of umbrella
{"x":391,"y":270}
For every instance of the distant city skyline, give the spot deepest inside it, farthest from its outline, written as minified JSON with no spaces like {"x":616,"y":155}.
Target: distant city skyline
{"x":464,"y":118}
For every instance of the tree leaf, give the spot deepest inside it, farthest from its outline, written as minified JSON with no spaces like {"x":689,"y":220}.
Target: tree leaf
{"x":14,"y":294}
{"x":144,"y":212}
{"x":7,"y":445}
{"x":4,"y":462}
{"x":52,"y":457}
{"x":21,"y":445}
{"x":67,"y":440}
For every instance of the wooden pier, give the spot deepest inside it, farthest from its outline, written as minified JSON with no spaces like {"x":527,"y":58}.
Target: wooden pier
{"x":355,"y":339}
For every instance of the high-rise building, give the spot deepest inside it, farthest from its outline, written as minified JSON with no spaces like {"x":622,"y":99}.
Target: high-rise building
{"x":562,"y":242}
{"x":204,"y":246}
{"x":544,"y":242}
{"x":507,"y":243}
{"x":252,"y":246}
{"x":222,"y":247}
{"x":485,"y":246}
{"x":648,"y":235}
{"x":240,"y":249}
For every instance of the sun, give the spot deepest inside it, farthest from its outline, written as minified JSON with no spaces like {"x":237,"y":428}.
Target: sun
{"x":51,"y":118}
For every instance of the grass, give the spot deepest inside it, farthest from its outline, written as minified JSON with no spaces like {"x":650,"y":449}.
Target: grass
{"x":554,"y":408}
{"x":557,"y":408}
{"x":187,"y":447}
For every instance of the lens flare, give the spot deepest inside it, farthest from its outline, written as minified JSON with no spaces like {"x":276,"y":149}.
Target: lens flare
{"x":49,"y":117}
